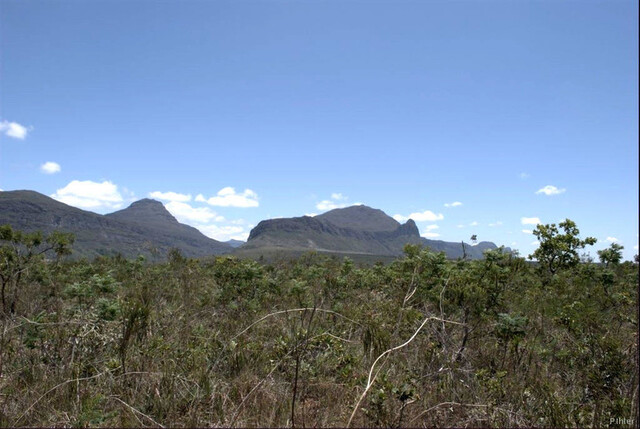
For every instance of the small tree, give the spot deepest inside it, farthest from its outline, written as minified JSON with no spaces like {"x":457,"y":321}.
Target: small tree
{"x":19,"y":251}
{"x":612,"y":255}
{"x":557,"y":251}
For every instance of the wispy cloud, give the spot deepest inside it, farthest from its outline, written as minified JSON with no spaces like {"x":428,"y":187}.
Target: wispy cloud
{"x":13,"y":129}
{"x":550,"y":190}
{"x":90,"y":195}
{"x":186,"y":213}
{"x":527,"y":231}
{"x":228,"y":197}
{"x":224,"y":232}
{"x":170,"y":196}
{"x":425,"y":216}
{"x":207,"y":221}
{"x":430,"y":235}
{"x":454,"y":204}
{"x":336,"y":201}
{"x":329,"y":205}
{"x":612,"y":240}
{"x":530,"y":220}
{"x":429,"y":231}
{"x":524,"y":175}
{"x":498,"y":223}
{"x":50,"y":167}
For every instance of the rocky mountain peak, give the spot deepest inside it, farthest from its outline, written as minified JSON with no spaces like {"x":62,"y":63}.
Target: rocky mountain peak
{"x":145,"y":211}
{"x":410,"y":228}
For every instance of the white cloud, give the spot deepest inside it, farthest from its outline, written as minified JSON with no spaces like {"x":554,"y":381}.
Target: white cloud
{"x":550,"y":190}
{"x":333,"y":203}
{"x":454,"y":204}
{"x":425,"y":216}
{"x":170,"y":196}
{"x":530,"y":220}
{"x":90,"y":195}
{"x":635,"y":247}
{"x":612,"y":240}
{"x":535,"y":243}
{"x":224,"y":233}
{"x":329,"y":205}
{"x":228,"y":197}
{"x":524,"y":175}
{"x":430,"y":235}
{"x":50,"y":167}
{"x":527,"y":231}
{"x":185,"y":213}
{"x":460,"y":226}
{"x":208,"y":221}
{"x":474,"y":223}
{"x":311,"y":214}
{"x":13,"y":129}
{"x":514,"y":243}
{"x":498,"y":223}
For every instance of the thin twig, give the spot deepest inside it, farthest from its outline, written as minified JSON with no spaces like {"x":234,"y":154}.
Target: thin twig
{"x":372,"y":378}
{"x":59,"y":385}
{"x":291,"y":311}
{"x":461,"y":405}
{"x":137,"y":411}
{"x":237,"y":410}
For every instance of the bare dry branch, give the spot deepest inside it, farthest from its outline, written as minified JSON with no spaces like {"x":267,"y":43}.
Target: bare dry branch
{"x":372,"y":378}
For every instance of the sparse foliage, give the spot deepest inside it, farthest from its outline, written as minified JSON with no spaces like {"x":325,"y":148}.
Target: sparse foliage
{"x":611,"y":255}
{"x":559,"y":250}
{"x":319,"y":341}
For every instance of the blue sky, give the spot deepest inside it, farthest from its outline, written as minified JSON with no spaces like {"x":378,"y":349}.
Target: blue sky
{"x":246,"y":110}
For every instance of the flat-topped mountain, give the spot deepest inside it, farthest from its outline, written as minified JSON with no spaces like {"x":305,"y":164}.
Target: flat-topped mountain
{"x":320,"y":233}
{"x":145,"y":227}
{"x":360,"y":217}
{"x":356,"y":229}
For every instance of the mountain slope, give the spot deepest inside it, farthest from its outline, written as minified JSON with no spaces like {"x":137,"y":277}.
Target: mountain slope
{"x":356,"y":230}
{"x":361,"y":218}
{"x":145,"y":227}
{"x":453,"y":250}
{"x":312,"y":233}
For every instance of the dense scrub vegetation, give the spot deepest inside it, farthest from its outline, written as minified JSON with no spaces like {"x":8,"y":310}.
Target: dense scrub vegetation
{"x":317,"y":341}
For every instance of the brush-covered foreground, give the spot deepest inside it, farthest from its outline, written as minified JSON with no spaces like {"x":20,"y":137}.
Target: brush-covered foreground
{"x":319,"y":342}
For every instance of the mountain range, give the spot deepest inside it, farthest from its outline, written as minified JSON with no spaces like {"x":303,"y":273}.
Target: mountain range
{"x":146,"y":227}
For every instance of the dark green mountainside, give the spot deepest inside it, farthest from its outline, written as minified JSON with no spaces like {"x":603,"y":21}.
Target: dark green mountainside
{"x":358,"y":230}
{"x":145,"y":227}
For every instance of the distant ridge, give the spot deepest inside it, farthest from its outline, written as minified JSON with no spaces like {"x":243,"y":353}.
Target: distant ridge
{"x":356,"y":229}
{"x":145,"y":227}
